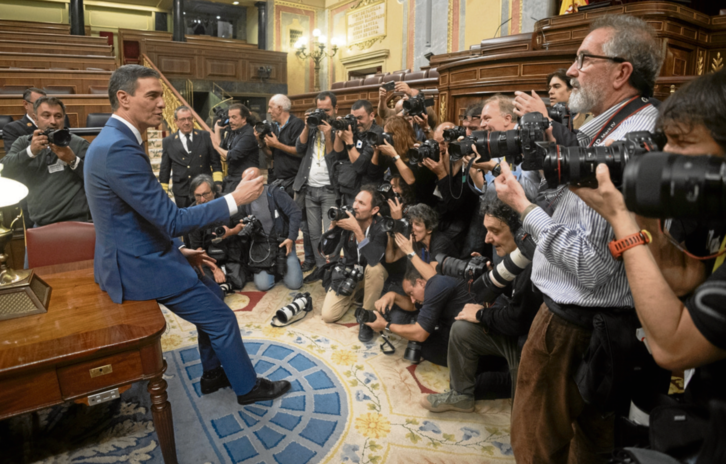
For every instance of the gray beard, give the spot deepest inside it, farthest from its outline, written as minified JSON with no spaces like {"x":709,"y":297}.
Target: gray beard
{"x":583,"y":100}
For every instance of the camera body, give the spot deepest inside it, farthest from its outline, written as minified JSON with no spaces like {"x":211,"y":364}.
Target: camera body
{"x":453,"y":134}
{"x":413,"y":352}
{"x":351,"y":276}
{"x":464,"y":147}
{"x":58,"y":137}
{"x":263,"y":129}
{"x":416,"y":106}
{"x":281,"y":258}
{"x":372,"y":138}
{"x":252,"y":226}
{"x":467,"y":270}
{"x":397,"y":226}
{"x":222,"y":115}
{"x":559,"y":112}
{"x":300,"y":302}
{"x":316,"y":117}
{"x":346,"y":122}
{"x":520,"y":145}
{"x":336,"y":214}
{"x":386,"y":189}
{"x":389,"y":86}
{"x":428,"y":149}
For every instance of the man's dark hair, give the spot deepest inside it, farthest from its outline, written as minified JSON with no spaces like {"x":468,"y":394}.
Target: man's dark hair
{"x":179,"y":109}
{"x":327,"y":94}
{"x":365,"y":104}
{"x":412,"y":274}
{"x":560,"y":74}
{"x":198,"y":181}
{"x":29,"y":90}
{"x":494,"y":207}
{"x":50,"y":101}
{"x":377,"y":198}
{"x":243,"y":110}
{"x":701,"y":101}
{"x":124,"y":78}
{"x":474,"y":110}
{"x":424,"y":213}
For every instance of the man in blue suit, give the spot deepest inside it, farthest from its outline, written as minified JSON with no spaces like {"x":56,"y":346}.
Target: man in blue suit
{"x":137,"y":257}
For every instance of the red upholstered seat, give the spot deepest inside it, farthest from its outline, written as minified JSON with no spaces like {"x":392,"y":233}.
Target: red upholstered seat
{"x":64,"y":242}
{"x":354,"y":83}
{"x":337,"y":85}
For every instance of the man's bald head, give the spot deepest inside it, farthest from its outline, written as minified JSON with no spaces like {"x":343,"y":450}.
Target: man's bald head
{"x":439,"y":131}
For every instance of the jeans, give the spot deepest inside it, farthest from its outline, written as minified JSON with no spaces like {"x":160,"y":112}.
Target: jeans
{"x":318,"y":200}
{"x":293,"y":277}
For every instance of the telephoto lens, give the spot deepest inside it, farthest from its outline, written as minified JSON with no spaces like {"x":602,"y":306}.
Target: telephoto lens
{"x":453,"y":134}
{"x":336,"y":214}
{"x":315,"y":118}
{"x":413,"y":352}
{"x":467,"y":270}
{"x":490,"y":285}
{"x":263,"y":129}
{"x":281,"y":259}
{"x":346,"y":122}
{"x":300,"y":302}
{"x":363,"y":315}
{"x":520,"y":145}
{"x":428,"y":149}
{"x":664,"y":185}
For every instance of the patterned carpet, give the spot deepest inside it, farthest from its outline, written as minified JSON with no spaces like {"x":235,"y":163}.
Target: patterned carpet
{"x":349,"y":403}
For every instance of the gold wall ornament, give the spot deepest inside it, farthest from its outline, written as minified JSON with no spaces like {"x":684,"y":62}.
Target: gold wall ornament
{"x":701,"y":62}
{"x":366,"y":23}
{"x":364,"y":3}
{"x":717,"y":64}
{"x":673,"y":88}
{"x":450,"y":34}
{"x":442,"y":107}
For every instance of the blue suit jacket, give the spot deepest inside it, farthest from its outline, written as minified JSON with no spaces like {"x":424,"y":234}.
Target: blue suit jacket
{"x":136,"y":256}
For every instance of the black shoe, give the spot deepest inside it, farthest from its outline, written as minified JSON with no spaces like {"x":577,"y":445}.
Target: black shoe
{"x":313,"y":276}
{"x":264,"y":390}
{"x":365,"y":334}
{"x":308,"y":266}
{"x":213,"y":380}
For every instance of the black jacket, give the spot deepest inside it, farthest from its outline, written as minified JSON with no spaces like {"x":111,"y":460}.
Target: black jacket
{"x":15,"y":129}
{"x":350,"y":176}
{"x":243,"y":151}
{"x":373,"y":249}
{"x":182,"y":167}
{"x":287,"y":166}
{"x":286,"y":215}
{"x":308,"y":148}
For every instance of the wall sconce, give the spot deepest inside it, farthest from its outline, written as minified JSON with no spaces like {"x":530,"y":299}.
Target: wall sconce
{"x":317,"y":51}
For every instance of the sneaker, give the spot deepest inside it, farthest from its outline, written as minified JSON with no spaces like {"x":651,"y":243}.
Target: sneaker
{"x":365,"y":334}
{"x":448,"y":401}
{"x":308,"y":266}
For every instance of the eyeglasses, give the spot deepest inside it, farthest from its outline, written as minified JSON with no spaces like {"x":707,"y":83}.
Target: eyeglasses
{"x":580,"y":60}
{"x":203,"y":195}
{"x":189,"y":119}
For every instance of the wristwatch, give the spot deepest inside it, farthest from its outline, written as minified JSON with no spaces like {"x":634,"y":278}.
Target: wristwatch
{"x":388,"y":328}
{"x":411,"y":255}
{"x":396,"y":158}
{"x":618,"y":247}
{"x":349,"y":146}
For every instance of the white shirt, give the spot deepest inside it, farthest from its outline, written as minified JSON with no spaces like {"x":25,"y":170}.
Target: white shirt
{"x":319,"y":176}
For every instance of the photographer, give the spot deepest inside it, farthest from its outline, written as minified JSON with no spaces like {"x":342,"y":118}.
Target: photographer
{"x":393,"y":156}
{"x":497,"y":330}
{"x":473,"y":117}
{"x":559,"y":87}
{"x":441,"y":299}
{"x":280,"y":142}
{"x":617,"y":63}
{"x":274,"y":242}
{"x":364,"y":244}
{"x":239,"y":148}
{"x":314,"y":184}
{"x":226,"y":248}
{"x":50,"y":163}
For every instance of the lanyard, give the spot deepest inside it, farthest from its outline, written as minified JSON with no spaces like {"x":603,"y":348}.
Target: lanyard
{"x":633,"y":105}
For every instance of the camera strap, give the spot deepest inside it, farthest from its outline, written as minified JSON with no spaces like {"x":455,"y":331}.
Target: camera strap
{"x":633,"y":106}
{"x":387,"y":342}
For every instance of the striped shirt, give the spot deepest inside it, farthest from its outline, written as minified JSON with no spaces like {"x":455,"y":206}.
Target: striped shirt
{"x":572,"y":263}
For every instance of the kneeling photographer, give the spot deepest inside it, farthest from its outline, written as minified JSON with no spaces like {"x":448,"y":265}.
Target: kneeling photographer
{"x":690,"y":333}
{"x":271,"y":225}
{"x":441,"y":299}
{"x":359,"y":232}
{"x":219,"y":240}
{"x":497,"y":328}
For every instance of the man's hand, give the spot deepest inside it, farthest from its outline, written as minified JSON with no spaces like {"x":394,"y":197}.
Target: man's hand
{"x":379,"y":324}
{"x":233,"y":231}
{"x":510,"y":191}
{"x":349,"y":223}
{"x":524,"y":104}
{"x":272,"y":141}
{"x":197,"y":257}
{"x":38,"y":143}
{"x":386,"y":302}
{"x":396,"y":208}
{"x":605,"y":199}
{"x":64,"y":153}
{"x":437,"y":167}
{"x":384,"y":95}
{"x":404,"y":244}
{"x":346,"y":136}
{"x":248,"y":190}
{"x":326,"y":129}
{"x":403,"y":87}
{"x":288,"y":244}
{"x":469,"y":313}
{"x":219,"y":276}
{"x":423,"y":122}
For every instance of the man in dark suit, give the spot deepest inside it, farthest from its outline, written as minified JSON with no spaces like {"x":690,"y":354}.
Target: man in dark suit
{"x":187,"y":153}
{"x":25,"y":125}
{"x":137,"y":257}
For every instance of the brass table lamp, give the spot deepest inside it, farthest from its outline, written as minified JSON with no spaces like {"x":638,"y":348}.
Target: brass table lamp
{"x":22,"y":293}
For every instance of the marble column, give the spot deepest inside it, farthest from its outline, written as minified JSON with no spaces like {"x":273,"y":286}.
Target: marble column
{"x":177,"y":13}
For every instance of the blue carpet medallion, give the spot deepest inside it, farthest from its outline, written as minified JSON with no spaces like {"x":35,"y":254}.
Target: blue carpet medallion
{"x":302,"y":427}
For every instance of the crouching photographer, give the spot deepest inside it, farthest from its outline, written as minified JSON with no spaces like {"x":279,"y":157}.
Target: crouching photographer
{"x":271,"y":225}
{"x":219,"y":240}
{"x":359,"y":232}
{"x":682,"y":334}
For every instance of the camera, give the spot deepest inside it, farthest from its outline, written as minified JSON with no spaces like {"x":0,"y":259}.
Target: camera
{"x":351,"y":277}
{"x":389,"y":86}
{"x":462,"y":148}
{"x":221,"y":115}
{"x":363,"y":315}
{"x":252,"y":226}
{"x":428,"y":149}
{"x":346,"y":122}
{"x":397,"y":226}
{"x":664,"y":185}
{"x":520,"y":145}
{"x":263,"y":129}
{"x":416,"y":106}
{"x":413,"y":352}
{"x":217,"y":234}
{"x":316,"y":117}
{"x":467,"y":270}
{"x":386,"y":189}
{"x":490,"y":285}
{"x":576,"y":165}
{"x":560,"y":113}
{"x":453,"y":134}
{"x":60,"y":137}
{"x":374,"y":139}
{"x":281,"y":258}
{"x":336,"y":214}
{"x":300,"y":302}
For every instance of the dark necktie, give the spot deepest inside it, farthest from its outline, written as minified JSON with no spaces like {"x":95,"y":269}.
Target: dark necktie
{"x":189,"y":142}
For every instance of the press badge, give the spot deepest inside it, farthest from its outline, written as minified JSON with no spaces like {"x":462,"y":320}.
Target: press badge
{"x":57,"y":167}
{"x":359,"y":145}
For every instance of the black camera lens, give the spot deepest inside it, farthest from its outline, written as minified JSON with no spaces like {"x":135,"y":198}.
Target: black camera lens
{"x":263,"y":129}
{"x":664,"y":185}
{"x":316,"y":117}
{"x":428,"y":149}
{"x":336,"y":214}
{"x":219,"y":231}
{"x":467,"y":270}
{"x":453,"y":134}
{"x":362,"y":316}
{"x":416,"y":106}
{"x":373,"y":138}
{"x":413,"y":352}
{"x":346,"y":122}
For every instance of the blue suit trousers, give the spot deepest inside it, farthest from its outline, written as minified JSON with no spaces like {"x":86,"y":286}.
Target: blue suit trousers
{"x":220,"y":342}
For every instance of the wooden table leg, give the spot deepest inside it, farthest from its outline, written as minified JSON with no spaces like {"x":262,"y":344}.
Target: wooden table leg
{"x":163,"y":423}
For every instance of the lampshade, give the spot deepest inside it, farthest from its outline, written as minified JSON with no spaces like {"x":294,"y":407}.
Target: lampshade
{"x":11,"y":192}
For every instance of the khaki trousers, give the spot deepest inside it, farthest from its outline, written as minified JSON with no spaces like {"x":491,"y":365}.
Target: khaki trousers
{"x":335,"y":306}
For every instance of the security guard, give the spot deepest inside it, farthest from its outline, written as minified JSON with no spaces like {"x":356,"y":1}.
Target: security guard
{"x":188,"y":153}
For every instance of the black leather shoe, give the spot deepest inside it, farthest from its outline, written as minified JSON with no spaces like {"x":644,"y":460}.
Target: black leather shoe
{"x":264,"y":390}
{"x":213,"y":380}
{"x":365,"y":334}
{"x":308,"y":266}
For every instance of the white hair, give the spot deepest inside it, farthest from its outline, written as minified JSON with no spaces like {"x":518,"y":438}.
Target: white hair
{"x":281,"y":101}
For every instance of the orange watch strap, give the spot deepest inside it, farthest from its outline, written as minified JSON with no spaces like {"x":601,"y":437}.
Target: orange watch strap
{"x":618,"y":247}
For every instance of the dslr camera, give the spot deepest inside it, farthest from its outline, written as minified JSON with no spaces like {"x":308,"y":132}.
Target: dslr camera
{"x":520,"y":145}
{"x":374,"y":139}
{"x":389,"y":86}
{"x":316,"y":117}
{"x":221,"y":115}
{"x":428,"y":149}
{"x":346,"y":122}
{"x":59,"y":137}
{"x":560,"y":113}
{"x":467,"y":270}
{"x":576,"y":165}
{"x":263,"y":129}
{"x":416,"y":106}
{"x":491,"y":284}
{"x":301,"y":302}
{"x":397,"y":226}
{"x":453,"y":134}
{"x":464,"y":147}
{"x":386,"y":189}
{"x":336,"y":214}
{"x":351,"y":276}
{"x":252,"y":226}
{"x":281,"y":258}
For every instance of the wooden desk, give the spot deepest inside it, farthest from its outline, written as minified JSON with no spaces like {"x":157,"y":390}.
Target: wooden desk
{"x":48,"y":359}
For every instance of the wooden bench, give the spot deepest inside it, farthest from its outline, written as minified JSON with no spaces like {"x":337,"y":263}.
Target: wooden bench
{"x":23,"y":46}
{"x":33,"y":26}
{"x":47,"y":61}
{"x":82,"y":82}
{"x":55,"y":38}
